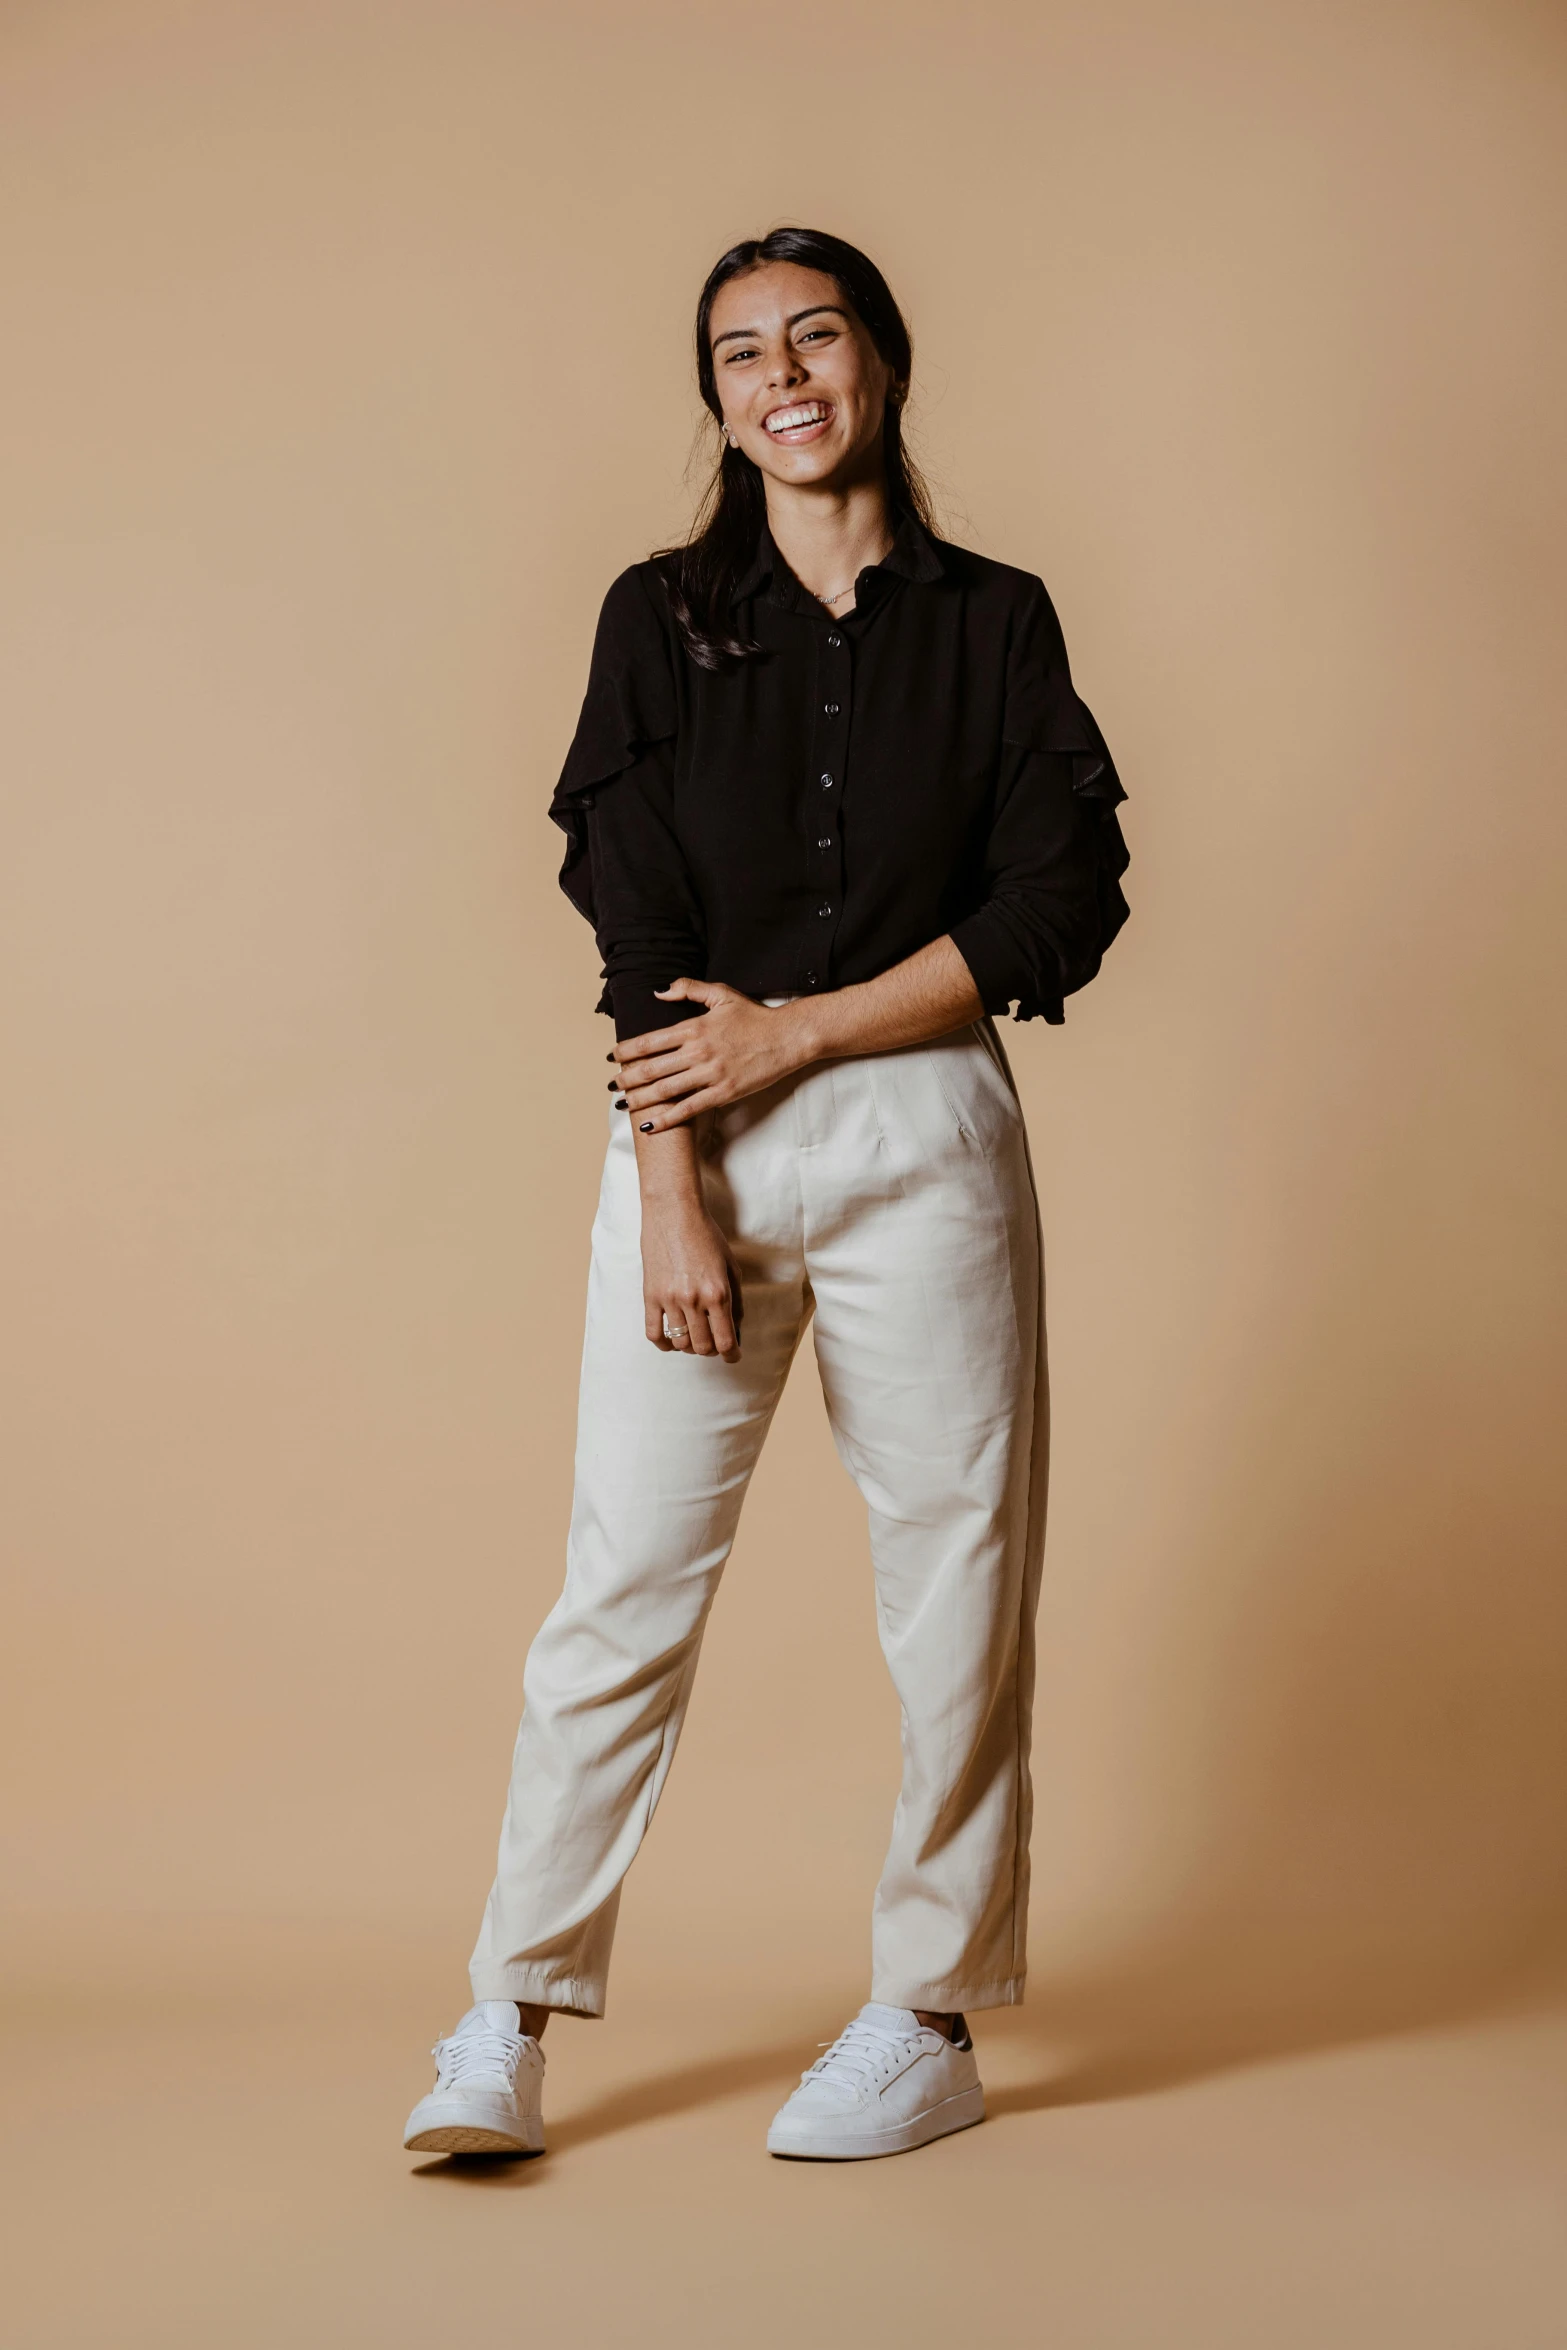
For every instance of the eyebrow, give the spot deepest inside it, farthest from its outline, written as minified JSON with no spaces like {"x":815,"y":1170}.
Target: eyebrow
{"x":733,"y":333}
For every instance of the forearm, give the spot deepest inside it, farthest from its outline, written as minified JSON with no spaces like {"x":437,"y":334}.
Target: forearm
{"x":736,"y":1046}
{"x":691,"y":1296}
{"x":667,"y":1170}
{"x":928,"y":994}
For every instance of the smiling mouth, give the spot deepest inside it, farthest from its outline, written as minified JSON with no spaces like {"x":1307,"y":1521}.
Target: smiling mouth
{"x":796,"y":422}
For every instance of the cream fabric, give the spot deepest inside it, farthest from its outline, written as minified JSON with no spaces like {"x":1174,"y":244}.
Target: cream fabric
{"x":888,"y":1201}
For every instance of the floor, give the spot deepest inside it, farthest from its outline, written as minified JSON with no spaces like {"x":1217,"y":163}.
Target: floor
{"x":214,"y":2158}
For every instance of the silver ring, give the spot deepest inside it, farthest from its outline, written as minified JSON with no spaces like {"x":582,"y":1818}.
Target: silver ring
{"x":673,"y":1334}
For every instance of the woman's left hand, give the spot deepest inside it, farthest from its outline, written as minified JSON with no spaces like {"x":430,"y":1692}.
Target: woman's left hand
{"x":736,"y":1047}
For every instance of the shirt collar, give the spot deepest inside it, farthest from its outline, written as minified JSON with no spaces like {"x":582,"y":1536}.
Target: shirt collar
{"x":912,"y":556}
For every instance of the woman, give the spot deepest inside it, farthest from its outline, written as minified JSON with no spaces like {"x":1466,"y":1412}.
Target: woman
{"x":832,"y":803}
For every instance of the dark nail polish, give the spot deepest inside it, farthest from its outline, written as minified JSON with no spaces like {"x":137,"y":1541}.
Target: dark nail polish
{"x":646,"y":1126}
{"x":622,"y":1105}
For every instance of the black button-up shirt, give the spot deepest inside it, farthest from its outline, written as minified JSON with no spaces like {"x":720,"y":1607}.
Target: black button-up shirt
{"x":808,"y":817}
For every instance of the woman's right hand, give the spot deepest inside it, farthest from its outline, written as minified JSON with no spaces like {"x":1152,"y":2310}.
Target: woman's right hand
{"x":688,"y":1278}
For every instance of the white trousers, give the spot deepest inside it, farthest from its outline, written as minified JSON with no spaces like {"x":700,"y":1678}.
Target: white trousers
{"x":889,"y":1201}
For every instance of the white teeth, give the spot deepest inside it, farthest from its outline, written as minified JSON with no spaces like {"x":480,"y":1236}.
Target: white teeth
{"x":789,"y":419}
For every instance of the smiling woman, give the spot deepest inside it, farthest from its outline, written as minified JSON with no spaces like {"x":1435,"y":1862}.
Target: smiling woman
{"x":828,"y":308}
{"x":833,"y":801}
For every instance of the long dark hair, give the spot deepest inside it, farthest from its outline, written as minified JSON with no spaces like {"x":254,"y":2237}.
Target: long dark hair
{"x":703,"y":574}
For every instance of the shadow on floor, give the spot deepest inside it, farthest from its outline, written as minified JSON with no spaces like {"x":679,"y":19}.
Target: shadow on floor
{"x":480,"y":2170}
{"x":1167,"y":2018}
{"x":681,"y":2090}
{"x":658,"y":2098}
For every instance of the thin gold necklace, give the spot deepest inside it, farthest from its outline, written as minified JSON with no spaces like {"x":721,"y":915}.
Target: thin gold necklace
{"x":829,"y":601}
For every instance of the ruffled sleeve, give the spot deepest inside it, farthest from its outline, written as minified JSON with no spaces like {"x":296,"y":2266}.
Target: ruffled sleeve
{"x":625,"y":867}
{"x":1056,"y":855}
{"x":628,"y":709}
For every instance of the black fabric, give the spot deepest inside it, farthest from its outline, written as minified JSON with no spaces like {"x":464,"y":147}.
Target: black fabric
{"x":805,"y":819}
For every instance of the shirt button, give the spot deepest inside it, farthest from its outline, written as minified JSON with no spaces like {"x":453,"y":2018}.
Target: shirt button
{"x":823,"y":912}
{"x":834,"y":639}
{"x":826,"y":841}
{"x":810,"y":979}
{"x":831,"y":709}
{"x":827,"y":783}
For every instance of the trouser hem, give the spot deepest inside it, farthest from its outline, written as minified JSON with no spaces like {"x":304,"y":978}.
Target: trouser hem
{"x":537,"y":1987}
{"x":951,"y":1998}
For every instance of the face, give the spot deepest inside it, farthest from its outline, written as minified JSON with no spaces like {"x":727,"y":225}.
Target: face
{"x":803,"y":386}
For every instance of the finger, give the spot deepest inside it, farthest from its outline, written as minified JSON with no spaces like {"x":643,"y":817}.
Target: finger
{"x":658,"y":1121}
{"x":721,"y":1322}
{"x":681,"y":1321}
{"x":647,"y":1096}
{"x":657,"y":1065}
{"x":656,"y":1040}
{"x":696,"y":991}
{"x":698,"y":1331}
{"x":653,"y":1325}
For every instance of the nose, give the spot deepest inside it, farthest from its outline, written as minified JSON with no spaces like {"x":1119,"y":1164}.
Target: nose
{"x":784,"y":368}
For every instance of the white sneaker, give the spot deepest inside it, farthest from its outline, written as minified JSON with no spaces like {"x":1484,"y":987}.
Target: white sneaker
{"x":887,"y":2083}
{"x":488,"y":2081}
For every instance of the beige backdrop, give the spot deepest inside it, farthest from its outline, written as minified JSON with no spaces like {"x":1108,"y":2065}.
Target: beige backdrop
{"x":346,"y":362}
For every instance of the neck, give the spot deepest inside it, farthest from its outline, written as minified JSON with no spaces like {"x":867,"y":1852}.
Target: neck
{"x":827,"y":536}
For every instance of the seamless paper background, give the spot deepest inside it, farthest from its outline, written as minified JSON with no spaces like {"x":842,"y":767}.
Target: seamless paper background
{"x":347,"y":361}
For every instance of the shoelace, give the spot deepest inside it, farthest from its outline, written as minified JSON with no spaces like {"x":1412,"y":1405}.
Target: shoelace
{"x":478,"y":2050}
{"x":859,"y":2056}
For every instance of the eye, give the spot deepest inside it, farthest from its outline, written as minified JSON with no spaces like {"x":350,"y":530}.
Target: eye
{"x":733,"y":358}
{"x":819,"y":334}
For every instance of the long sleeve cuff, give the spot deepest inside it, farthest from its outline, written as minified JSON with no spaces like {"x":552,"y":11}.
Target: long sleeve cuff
{"x":637,"y":1009}
{"x":992,"y":956}
{"x":1002,"y":971}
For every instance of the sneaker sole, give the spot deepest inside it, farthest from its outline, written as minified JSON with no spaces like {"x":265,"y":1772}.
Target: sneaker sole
{"x":460,"y":2139}
{"x":938,"y":2121}
{"x":459,"y":2133}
